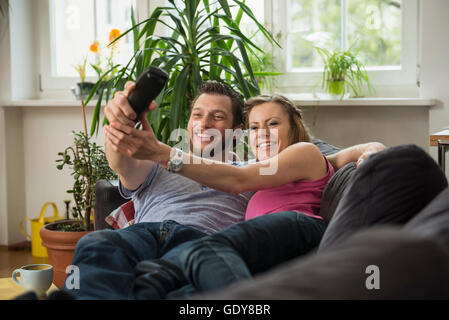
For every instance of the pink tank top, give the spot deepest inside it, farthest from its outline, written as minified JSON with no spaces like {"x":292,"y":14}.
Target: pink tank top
{"x":299,"y":196}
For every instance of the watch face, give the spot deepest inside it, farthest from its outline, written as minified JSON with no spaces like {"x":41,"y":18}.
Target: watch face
{"x":175,"y":163}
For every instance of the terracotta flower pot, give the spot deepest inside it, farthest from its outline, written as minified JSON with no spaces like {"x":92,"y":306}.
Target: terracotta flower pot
{"x":60,"y":248}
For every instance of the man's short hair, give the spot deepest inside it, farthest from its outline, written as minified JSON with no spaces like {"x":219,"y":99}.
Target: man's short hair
{"x":220,"y":88}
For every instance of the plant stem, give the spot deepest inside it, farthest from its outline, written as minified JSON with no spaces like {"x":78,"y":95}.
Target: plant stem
{"x":83,"y":106}
{"x":89,"y":175}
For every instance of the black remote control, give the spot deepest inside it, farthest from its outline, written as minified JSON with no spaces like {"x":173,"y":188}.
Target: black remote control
{"x":148,"y":86}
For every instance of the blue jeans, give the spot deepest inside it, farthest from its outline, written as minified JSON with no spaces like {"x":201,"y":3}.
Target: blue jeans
{"x":235,"y":253}
{"x":106,"y":259}
{"x":249,"y":247}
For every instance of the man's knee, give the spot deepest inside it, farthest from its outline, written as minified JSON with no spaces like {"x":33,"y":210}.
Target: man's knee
{"x":95,"y":238}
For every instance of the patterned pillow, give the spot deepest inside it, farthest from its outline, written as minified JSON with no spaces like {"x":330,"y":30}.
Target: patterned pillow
{"x":122,"y":217}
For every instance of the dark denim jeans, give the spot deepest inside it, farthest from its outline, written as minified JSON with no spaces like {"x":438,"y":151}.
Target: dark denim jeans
{"x":237,"y":252}
{"x":106,"y":259}
{"x":249,"y":247}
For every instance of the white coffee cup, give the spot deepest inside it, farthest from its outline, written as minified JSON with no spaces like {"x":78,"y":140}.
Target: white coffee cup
{"x":35,"y":277}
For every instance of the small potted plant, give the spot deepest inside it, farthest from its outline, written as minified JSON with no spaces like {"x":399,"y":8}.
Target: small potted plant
{"x":343,"y":71}
{"x":88,"y":163}
{"x":83,"y":88}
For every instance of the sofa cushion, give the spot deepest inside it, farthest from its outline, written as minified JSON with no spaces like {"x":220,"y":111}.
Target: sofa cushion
{"x":335,"y":189}
{"x":410,"y":266}
{"x":390,"y":187}
{"x":325,"y":148}
{"x":433,"y":220}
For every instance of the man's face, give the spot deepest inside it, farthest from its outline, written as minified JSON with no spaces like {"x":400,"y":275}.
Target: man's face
{"x":211,"y":115}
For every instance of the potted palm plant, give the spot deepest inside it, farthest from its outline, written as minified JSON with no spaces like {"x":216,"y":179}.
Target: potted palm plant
{"x":88,"y":163}
{"x":343,"y":72}
{"x":204,"y":42}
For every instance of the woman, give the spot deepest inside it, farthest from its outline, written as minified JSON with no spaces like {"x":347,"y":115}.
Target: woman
{"x":297,"y":176}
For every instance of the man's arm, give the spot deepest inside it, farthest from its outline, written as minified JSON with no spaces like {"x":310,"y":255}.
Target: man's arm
{"x":132,"y":172}
{"x":358,"y":153}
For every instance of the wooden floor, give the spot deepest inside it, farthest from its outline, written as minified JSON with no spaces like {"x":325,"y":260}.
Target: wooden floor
{"x":16,"y":256}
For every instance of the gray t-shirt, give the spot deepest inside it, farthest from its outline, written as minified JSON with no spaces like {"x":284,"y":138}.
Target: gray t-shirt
{"x":170,"y":196}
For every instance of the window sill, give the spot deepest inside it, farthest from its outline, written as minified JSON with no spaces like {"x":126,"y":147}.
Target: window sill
{"x":307,"y":100}
{"x":47,"y":103}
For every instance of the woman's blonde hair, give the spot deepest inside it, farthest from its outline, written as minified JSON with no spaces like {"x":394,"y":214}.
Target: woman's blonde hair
{"x":299,"y":132}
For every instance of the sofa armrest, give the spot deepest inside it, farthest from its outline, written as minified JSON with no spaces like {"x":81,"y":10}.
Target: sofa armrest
{"x":107,"y":198}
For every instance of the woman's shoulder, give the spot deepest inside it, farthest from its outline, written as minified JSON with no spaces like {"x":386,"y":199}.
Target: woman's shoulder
{"x":307,"y":158}
{"x":304,"y":148}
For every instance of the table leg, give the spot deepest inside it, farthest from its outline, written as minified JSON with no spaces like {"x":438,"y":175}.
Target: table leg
{"x":443,"y":147}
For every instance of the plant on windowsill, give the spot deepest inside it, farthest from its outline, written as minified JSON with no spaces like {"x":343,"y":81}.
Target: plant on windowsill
{"x":83,"y":88}
{"x":343,"y":72}
{"x":88,"y":164}
{"x":203,"y":43}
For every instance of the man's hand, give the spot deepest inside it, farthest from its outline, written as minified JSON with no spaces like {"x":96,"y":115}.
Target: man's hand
{"x":356,"y":153}
{"x":368,"y":150}
{"x":137,"y":144}
{"x":119,"y":109}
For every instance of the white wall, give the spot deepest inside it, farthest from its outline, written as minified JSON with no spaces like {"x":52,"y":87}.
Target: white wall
{"x":47,"y":131}
{"x":18,"y":81}
{"x":35,"y":135}
{"x":434,"y":62}
{"x":350,"y":125}
{"x":5,"y":95}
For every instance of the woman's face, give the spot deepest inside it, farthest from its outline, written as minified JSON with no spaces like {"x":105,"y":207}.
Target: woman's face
{"x":269,"y":130}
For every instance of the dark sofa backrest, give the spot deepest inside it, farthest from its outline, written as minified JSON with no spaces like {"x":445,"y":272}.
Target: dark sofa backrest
{"x":335,"y":190}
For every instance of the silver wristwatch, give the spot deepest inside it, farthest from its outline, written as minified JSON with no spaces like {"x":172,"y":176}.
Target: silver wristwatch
{"x":175,"y":163}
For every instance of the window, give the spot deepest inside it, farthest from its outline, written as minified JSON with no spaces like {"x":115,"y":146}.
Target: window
{"x":372,"y":26}
{"x":385,"y":31}
{"x":72,"y":26}
{"x":75,"y":24}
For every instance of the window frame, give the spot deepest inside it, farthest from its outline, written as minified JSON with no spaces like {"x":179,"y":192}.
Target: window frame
{"x":48,"y":82}
{"x":404,"y":79}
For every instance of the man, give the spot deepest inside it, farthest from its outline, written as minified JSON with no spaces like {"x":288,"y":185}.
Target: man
{"x":169,"y":208}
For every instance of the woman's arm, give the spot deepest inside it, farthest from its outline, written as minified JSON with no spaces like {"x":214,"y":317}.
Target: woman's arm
{"x":301,"y":161}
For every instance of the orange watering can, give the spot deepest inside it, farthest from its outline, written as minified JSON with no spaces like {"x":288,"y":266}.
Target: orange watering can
{"x":37,"y":249}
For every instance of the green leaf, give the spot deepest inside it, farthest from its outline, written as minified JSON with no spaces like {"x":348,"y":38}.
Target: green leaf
{"x":95,"y":119}
{"x":224,"y":4}
{"x":178,"y":100}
